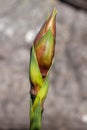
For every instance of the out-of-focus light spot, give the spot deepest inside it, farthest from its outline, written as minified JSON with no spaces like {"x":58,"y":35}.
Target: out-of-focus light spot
{"x":29,"y":37}
{"x":84,"y":118}
{"x":9,"y":31}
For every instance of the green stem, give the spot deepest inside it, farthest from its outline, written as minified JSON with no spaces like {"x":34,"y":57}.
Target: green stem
{"x":35,"y":116}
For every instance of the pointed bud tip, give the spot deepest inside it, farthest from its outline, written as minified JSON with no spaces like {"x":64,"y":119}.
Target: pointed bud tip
{"x":51,"y":22}
{"x":54,"y":12}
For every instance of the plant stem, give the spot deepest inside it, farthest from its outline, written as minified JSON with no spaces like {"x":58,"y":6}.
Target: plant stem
{"x":35,"y":116}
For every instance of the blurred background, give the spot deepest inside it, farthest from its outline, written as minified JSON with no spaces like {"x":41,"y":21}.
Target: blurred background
{"x":66,"y":103}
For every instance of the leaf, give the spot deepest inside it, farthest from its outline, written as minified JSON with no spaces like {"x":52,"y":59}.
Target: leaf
{"x":42,"y":93}
{"x":35,"y":75}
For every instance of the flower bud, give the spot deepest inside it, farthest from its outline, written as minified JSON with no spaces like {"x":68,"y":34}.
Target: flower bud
{"x":44,"y":44}
{"x":42,"y":53}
